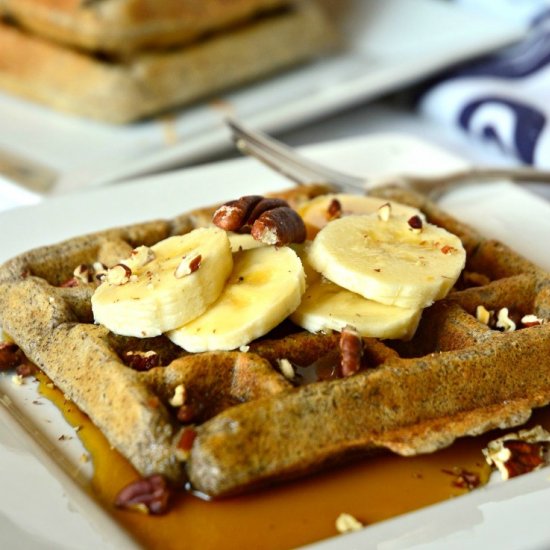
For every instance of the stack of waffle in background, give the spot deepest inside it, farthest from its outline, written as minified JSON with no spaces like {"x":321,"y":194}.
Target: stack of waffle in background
{"x":123,"y":60}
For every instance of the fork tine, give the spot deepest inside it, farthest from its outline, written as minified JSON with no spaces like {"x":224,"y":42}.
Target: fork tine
{"x":275,"y":154}
{"x":286,"y":161}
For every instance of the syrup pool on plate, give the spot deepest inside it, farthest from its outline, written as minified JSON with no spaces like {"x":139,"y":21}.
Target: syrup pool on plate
{"x":292,"y":514}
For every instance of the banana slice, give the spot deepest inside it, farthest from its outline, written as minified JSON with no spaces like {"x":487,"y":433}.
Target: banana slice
{"x":326,"y":306}
{"x":317,"y":212}
{"x":393,"y":262}
{"x":162,"y":287}
{"x":266,"y":285}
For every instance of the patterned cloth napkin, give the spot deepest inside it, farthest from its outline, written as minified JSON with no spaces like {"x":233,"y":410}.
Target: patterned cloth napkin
{"x":503,"y":98}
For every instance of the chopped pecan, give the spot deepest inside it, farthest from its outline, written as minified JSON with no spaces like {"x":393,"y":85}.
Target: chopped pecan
{"x":83,"y":273}
{"x":351,"y":351}
{"x":518,"y":453}
{"x":185,"y":442}
{"x":346,"y":523}
{"x":279,"y":226}
{"x":232,"y":215}
{"x":504,"y":321}
{"x":100,"y":271}
{"x":334,"y":209}
{"x":286,"y":368}
{"x":141,"y":360}
{"x":150,"y":494}
{"x":119,"y":274}
{"x":10,"y":356}
{"x":26,"y":368}
{"x":180,"y":394}
{"x":524,"y":456}
{"x":140,"y":256}
{"x":269,"y":220}
{"x":415,"y":224}
{"x":263,"y":206}
{"x":187,"y":266}
{"x":531,"y":321}
{"x":384,"y":212}
{"x":483,"y":315}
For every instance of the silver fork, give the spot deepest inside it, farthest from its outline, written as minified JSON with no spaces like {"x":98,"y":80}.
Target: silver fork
{"x":302,"y":170}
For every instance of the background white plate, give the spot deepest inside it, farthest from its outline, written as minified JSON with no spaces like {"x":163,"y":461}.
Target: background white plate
{"x":392,"y":43}
{"x":40,"y":505}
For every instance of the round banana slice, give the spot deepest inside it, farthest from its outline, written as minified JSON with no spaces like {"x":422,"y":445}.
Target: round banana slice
{"x":266,"y":286}
{"x":326,"y":307}
{"x":161,"y":287}
{"x":319,"y":211}
{"x":401,"y":262}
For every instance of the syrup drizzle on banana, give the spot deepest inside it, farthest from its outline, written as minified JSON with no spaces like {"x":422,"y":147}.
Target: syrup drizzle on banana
{"x":370,"y":264}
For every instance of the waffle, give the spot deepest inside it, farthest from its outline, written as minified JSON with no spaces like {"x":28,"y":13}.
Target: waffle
{"x":120,"y":87}
{"x":456,"y":377}
{"x":128,"y":25}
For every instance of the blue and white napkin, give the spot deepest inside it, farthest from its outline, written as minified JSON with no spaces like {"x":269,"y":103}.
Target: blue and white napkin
{"x":503,"y":98}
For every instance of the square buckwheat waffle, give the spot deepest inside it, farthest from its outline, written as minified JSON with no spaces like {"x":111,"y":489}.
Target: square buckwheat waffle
{"x":230,"y":421}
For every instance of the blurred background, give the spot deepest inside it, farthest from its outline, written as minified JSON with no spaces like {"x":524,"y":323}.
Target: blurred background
{"x":97,"y":92}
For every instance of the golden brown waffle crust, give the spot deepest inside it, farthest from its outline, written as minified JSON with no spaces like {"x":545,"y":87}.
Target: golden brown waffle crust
{"x":123,"y":26}
{"x":53,"y":325}
{"x":145,"y":84}
{"x":457,"y":377}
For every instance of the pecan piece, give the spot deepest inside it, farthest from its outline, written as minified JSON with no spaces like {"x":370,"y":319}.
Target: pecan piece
{"x":518,"y":453}
{"x":140,"y":256}
{"x":26,"y":368}
{"x":263,"y":206}
{"x":185,"y":442}
{"x":524,"y":457}
{"x":149,"y":494}
{"x":504,"y":321}
{"x":279,"y":226}
{"x":351,"y":351}
{"x":531,"y":321}
{"x":10,"y":356}
{"x":82,"y":274}
{"x":334,"y":209}
{"x":186,"y":266}
{"x":346,"y":523}
{"x":384,"y":212}
{"x":141,"y":360}
{"x":263,"y":218}
{"x":119,"y":274}
{"x":179,"y":397}
{"x":233,"y":215}
{"x":415,"y":224}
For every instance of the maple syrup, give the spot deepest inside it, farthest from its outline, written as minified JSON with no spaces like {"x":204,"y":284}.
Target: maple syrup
{"x":290,"y":515}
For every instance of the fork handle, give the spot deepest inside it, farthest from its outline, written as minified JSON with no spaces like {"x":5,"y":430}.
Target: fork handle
{"x":436,"y":186}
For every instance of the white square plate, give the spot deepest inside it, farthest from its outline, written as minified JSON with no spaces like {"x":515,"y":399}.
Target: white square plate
{"x":42,"y":504}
